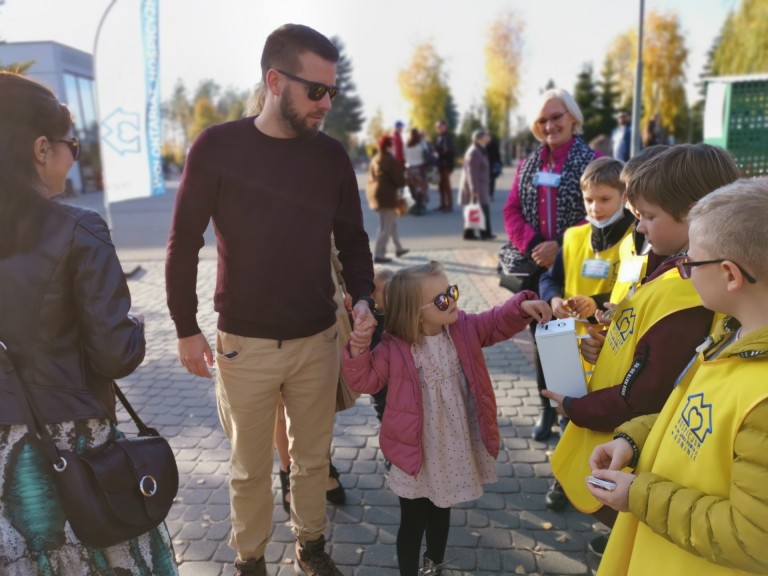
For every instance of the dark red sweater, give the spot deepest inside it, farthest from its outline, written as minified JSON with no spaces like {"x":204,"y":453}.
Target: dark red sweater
{"x":274,"y":203}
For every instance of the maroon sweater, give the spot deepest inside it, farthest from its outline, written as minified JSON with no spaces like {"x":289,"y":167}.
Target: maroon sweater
{"x":274,"y":203}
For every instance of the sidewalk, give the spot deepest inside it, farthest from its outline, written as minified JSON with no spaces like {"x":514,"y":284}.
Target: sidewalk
{"x":507,"y":531}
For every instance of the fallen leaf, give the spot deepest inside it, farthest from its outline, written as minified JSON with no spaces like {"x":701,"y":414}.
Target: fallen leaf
{"x":546,"y":525}
{"x":521,"y":569}
{"x":561,"y":538}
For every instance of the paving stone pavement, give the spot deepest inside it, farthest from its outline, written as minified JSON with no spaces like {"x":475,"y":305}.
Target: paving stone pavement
{"x":507,"y":531}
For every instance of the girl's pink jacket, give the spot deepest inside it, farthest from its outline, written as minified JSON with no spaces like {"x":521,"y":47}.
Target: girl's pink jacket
{"x":391,"y":362}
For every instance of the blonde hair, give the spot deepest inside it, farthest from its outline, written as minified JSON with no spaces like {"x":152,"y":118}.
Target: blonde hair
{"x":403,"y":299}
{"x":681,"y":176}
{"x":730,"y":223}
{"x":603,"y":171}
{"x":570,"y":105}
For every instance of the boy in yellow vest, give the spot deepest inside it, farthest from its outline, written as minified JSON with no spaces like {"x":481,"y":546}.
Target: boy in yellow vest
{"x":698,"y":500}
{"x":655,"y":330}
{"x":585,"y":267}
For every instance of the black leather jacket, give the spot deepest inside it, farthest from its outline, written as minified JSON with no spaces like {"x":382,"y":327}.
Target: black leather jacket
{"x":64,"y":306}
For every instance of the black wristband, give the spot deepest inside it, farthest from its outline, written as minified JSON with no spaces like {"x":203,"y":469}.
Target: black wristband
{"x":635,"y":449}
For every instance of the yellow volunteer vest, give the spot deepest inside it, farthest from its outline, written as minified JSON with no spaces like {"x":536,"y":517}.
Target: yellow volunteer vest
{"x":577,"y":248}
{"x":650,"y":303}
{"x":691,"y":444}
{"x":627,"y":259}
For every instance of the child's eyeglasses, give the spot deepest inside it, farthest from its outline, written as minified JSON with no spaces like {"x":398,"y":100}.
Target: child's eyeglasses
{"x":315,"y":90}
{"x":73,"y":144}
{"x":684,"y":267}
{"x":441,"y":300}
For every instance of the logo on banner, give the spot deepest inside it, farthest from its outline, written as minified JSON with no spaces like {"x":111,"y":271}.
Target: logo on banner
{"x":122,"y":131}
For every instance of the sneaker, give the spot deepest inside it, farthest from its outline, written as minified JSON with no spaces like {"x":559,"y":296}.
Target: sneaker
{"x":431,"y":568}
{"x":597,"y":546}
{"x":312,"y":560}
{"x":382,"y":260}
{"x":251,"y":567}
{"x":402,"y":252}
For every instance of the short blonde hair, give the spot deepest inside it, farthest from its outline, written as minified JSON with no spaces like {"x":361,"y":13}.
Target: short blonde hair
{"x":403,"y":298}
{"x":681,"y":176}
{"x":570,"y":105}
{"x":605,"y":171}
{"x":731,"y":222}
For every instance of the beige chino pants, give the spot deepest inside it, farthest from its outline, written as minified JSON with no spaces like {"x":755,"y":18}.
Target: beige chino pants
{"x":249,"y":385}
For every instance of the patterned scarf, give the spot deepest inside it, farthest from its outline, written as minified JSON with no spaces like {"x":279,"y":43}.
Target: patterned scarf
{"x":570,"y":206}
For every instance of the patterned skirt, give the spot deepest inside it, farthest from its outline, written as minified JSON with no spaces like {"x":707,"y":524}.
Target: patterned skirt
{"x":35,"y":537}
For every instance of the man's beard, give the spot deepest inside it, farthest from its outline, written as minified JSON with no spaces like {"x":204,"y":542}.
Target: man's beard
{"x":291,"y":117}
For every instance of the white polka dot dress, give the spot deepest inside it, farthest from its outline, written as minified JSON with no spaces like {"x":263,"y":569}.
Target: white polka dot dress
{"x":456,"y":463}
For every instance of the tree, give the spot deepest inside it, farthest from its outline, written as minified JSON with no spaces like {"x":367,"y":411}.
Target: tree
{"x":424,"y":84}
{"x":586,"y":96}
{"x":232,"y":103}
{"x":375,"y":129}
{"x":743,"y":48}
{"x":17,"y":67}
{"x":470,"y":122}
{"x":346,"y":116}
{"x":503,"y":56}
{"x":609,"y":96}
{"x":204,"y":115}
{"x":664,"y":60}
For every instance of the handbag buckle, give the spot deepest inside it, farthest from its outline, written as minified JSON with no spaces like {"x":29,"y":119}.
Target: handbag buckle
{"x":152,"y":486}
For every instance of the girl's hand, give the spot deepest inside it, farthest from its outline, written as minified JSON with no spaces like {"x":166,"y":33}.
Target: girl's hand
{"x":618,"y":498}
{"x":582,"y":306}
{"x":557,"y":398}
{"x":613,"y":455}
{"x":590,"y":347}
{"x":361,"y":336}
{"x":538,"y":309}
{"x":560,"y":308}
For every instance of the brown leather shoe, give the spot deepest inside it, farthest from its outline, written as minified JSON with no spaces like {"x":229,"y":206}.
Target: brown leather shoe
{"x":251,"y":567}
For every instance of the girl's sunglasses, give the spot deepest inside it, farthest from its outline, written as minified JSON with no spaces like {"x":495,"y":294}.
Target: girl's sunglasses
{"x":441,"y":300}
{"x":315,"y":90}
{"x":73,"y":144}
{"x":684,"y":267}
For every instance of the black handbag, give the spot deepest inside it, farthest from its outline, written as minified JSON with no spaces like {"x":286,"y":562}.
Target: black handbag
{"x":113,"y":492}
{"x":518,"y":271}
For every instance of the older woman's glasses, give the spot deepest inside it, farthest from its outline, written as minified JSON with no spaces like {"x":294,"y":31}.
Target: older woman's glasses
{"x":73,"y":144}
{"x":441,"y":300}
{"x":684,"y":267}
{"x":315,"y":90}
{"x":554,"y":119}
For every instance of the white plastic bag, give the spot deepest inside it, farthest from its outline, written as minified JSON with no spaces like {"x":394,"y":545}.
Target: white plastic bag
{"x":474,"y":219}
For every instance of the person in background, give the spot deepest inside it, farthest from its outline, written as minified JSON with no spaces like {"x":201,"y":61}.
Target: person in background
{"x":65,"y":325}
{"x":445,"y":156}
{"x":443,"y":451}
{"x":474,"y":186}
{"x":544,"y":201}
{"x":494,"y":163}
{"x":621,"y":138}
{"x":274,"y":181}
{"x":398,"y":146}
{"x":385,"y":177}
{"x":416,"y":171}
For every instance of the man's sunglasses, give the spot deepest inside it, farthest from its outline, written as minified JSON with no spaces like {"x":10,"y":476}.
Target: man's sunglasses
{"x":441,"y":300}
{"x":315,"y":90}
{"x":73,"y":144}
{"x":684,"y":267}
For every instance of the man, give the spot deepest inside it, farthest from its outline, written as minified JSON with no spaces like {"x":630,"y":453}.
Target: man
{"x":444,"y":153}
{"x":398,"y":150}
{"x":276,"y":188}
{"x":621,"y":140}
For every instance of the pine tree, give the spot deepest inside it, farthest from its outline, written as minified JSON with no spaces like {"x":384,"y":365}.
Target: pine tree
{"x":609,"y":96}
{"x":346,"y":116}
{"x":586,"y":96}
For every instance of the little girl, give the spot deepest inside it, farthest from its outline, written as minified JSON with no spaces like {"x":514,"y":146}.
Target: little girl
{"x":439,"y":430}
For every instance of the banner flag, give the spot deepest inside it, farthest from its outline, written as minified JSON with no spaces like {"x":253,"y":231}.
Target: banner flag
{"x":127,"y":66}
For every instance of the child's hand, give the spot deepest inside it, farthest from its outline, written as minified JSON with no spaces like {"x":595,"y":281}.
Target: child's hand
{"x":582,"y":306}
{"x":361,"y":336}
{"x":560,"y":308}
{"x":618,"y":498}
{"x":590,"y":347}
{"x":605,"y":317}
{"x":560,"y":409}
{"x":538,"y":309}
{"x":613,"y":455}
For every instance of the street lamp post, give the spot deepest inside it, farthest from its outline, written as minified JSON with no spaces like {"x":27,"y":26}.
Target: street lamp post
{"x":637,"y":100}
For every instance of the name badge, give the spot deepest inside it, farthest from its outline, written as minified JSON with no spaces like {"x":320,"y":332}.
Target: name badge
{"x":596,"y":268}
{"x":630,"y":269}
{"x":547,"y":179}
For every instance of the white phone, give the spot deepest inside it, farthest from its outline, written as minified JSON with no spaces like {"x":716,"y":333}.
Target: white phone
{"x":604,"y":484}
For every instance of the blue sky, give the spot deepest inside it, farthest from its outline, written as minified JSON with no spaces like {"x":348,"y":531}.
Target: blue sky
{"x":222,"y":39}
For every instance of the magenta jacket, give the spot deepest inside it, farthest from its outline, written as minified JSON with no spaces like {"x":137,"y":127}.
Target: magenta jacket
{"x":391,"y":362}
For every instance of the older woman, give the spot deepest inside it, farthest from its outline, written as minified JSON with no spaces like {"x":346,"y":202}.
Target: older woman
{"x":385,"y":177}
{"x":545,"y":200}
{"x":475,"y":183}
{"x":64,"y":320}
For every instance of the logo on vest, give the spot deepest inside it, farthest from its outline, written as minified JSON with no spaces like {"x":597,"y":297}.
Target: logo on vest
{"x":622,"y":328}
{"x":693,"y":426}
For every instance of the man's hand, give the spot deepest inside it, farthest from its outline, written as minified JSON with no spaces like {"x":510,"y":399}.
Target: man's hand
{"x":195,"y":355}
{"x":361,"y":311}
{"x":544,"y":254}
{"x":590,"y":347}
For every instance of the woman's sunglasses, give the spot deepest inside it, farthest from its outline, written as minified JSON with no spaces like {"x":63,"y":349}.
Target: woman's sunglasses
{"x":73,"y":144}
{"x":441,"y":300}
{"x":315,"y":90}
{"x":684,"y":267}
